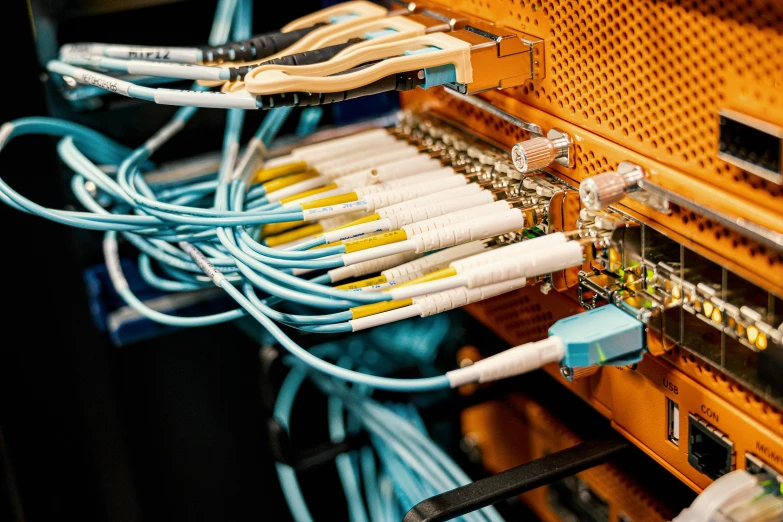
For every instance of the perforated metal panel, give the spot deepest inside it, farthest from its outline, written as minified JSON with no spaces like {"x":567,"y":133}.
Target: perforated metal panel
{"x":652,"y":75}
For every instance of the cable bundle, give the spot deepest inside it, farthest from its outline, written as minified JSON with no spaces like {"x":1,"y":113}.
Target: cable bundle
{"x":401,"y":466}
{"x":346,"y":51}
{"x":432,"y":222}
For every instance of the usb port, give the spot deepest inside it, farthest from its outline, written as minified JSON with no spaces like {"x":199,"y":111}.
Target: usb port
{"x":673,"y":421}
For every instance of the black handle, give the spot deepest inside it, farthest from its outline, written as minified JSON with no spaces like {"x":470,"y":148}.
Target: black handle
{"x":515,"y":481}
{"x":257,"y":47}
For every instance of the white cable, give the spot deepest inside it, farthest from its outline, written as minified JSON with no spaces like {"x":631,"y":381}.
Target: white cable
{"x":130,"y":52}
{"x":514,"y":361}
{"x":206,"y":99}
{"x":164,"y":69}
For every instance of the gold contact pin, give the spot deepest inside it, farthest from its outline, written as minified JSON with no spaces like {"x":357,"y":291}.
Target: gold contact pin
{"x":708,"y":307}
{"x":753,"y":334}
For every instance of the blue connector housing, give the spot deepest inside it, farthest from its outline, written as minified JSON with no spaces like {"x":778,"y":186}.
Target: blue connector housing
{"x":605,"y":336}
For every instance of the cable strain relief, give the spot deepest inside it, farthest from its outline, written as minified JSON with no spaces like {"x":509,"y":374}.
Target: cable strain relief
{"x":512,"y":362}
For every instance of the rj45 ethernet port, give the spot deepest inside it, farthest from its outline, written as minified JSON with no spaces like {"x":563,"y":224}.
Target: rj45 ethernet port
{"x":709,"y":450}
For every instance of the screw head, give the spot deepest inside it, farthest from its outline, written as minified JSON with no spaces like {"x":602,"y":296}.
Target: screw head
{"x":519,"y":158}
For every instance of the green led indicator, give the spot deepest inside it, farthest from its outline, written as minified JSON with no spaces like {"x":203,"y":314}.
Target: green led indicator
{"x":600,"y":352}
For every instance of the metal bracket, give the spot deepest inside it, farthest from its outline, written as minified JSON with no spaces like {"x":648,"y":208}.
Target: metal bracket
{"x":532,"y":128}
{"x":762,"y":235}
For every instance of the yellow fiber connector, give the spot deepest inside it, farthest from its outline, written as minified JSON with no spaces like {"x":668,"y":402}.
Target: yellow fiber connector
{"x":376,"y":308}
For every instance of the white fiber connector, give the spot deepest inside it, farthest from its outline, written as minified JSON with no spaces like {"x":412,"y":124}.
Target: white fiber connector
{"x":415,"y":179}
{"x":514,"y":361}
{"x":516,"y":249}
{"x":371,"y":188}
{"x":382,"y":199}
{"x":336,"y":167}
{"x":512,"y":266}
{"x":439,"y":197}
{"x":432,"y":262}
{"x":449,"y":300}
{"x":392,"y":197}
{"x":397,"y":220}
{"x":423,"y":266}
{"x":533,"y":264}
{"x":369,"y":267}
{"x":452,"y":235}
{"x":399,"y":169}
{"x":346,"y":142}
{"x":459,"y":233}
{"x":436,"y":303}
{"x":460,"y":216}
{"x":407,"y":216}
{"x":344,"y":148}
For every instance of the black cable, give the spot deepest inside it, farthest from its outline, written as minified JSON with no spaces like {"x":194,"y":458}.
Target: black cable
{"x":303,"y":58}
{"x":255,"y":48}
{"x":404,"y":81}
{"x":521,"y":479}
